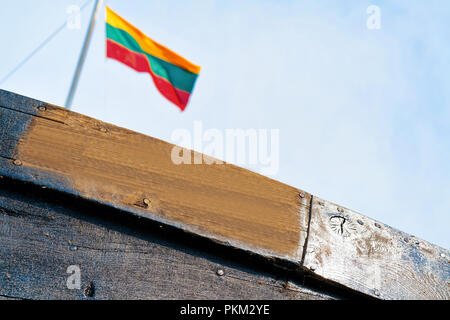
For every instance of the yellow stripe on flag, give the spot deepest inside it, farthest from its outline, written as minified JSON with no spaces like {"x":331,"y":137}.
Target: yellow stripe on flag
{"x":148,"y":45}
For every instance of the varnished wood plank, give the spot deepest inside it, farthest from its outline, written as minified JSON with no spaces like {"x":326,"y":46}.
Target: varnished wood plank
{"x":42,"y":234}
{"x":370,"y":257}
{"x":121,"y":168}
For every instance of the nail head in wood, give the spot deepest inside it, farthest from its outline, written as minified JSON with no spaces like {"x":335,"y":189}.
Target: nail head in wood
{"x":220,"y":272}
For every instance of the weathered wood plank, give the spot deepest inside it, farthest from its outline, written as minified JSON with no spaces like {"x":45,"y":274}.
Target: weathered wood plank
{"x":20,"y":103}
{"x":42,"y":234}
{"x":8,"y":298}
{"x":121,"y":168}
{"x":12,"y":127}
{"x":373,"y":258}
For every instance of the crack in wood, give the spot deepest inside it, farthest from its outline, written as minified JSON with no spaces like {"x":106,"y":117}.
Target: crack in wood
{"x":34,"y":115}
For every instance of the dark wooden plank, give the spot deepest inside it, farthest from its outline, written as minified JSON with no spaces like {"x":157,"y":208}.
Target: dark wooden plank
{"x":370,"y":257}
{"x":13,"y":125}
{"x":42,"y":234}
{"x":8,"y":298}
{"x":20,"y":103}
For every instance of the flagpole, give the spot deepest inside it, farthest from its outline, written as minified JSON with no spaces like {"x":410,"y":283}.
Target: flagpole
{"x":81,"y":59}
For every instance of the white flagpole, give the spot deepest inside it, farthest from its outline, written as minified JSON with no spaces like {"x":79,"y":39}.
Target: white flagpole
{"x":76,"y":77}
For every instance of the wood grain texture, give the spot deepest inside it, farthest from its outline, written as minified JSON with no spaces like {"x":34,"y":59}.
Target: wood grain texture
{"x":373,"y":258}
{"x":121,"y":168}
{"x":12,"y":127}
{"x":42,"y":234}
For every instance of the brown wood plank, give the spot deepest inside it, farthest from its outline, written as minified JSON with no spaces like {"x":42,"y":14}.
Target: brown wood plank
{"x":121,"y":168}
{"x":370,"y":257}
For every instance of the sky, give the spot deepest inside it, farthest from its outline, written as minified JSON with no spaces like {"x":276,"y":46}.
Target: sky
{"x":363,"y":114}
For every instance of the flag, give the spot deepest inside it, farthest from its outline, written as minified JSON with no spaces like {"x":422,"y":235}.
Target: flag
{"x":173,"y":75}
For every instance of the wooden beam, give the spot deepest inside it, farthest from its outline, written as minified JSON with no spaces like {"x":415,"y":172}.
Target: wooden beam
{"x":71,"y":153}
{"x":370,"y":257}
{"x":76,"y":154}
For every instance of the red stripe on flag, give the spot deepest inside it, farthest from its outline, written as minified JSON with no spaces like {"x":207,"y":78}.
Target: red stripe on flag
{"x":140,"y":63}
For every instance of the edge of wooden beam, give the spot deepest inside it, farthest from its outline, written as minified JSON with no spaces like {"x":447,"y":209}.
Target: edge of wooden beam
{"x":68,"y":152}
{"x":370,"y":257}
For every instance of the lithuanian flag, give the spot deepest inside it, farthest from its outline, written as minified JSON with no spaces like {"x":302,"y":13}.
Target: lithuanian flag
{"x":173,"y":75}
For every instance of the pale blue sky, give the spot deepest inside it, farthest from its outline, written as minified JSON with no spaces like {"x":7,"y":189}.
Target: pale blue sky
{"x":364,"y":115}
